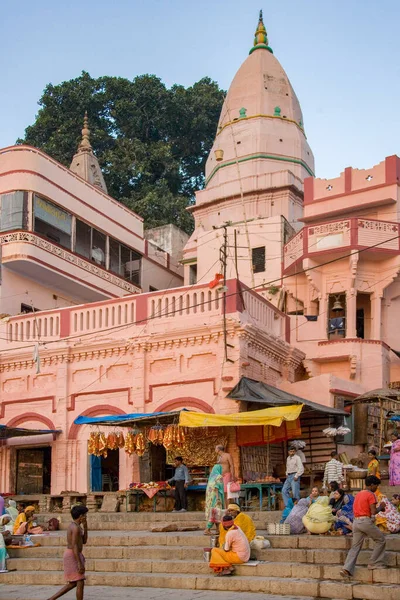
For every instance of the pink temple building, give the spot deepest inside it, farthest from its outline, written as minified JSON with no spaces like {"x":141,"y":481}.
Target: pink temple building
{"x":99,"y":317}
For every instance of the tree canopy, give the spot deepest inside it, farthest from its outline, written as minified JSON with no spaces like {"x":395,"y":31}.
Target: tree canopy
{"x":151,"y":142}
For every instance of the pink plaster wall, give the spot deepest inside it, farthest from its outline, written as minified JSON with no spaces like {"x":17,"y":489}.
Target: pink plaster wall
{"x":169,"y":362}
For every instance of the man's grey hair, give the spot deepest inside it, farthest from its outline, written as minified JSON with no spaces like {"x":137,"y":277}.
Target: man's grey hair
{"x":220,"y":447}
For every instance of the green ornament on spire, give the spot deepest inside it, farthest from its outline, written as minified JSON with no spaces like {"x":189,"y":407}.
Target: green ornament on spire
{"x":260,"y":37}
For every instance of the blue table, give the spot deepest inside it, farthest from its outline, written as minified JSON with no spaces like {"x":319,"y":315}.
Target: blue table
{"x":270,"y":488}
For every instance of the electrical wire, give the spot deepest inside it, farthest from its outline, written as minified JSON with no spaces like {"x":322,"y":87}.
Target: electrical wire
{"x":228,"y":295}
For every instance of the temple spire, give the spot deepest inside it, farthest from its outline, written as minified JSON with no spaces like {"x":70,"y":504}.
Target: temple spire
{"x":85,"y":146}
{"x":85,"y":163}
{"x":260,"y":36}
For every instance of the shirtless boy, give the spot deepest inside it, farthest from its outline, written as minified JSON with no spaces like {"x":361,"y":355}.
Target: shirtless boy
{"x":228,"y":470}
{"x":74,"y":561}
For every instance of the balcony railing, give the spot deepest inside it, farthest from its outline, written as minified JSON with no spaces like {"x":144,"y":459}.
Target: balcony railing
{"x":357,"y":233}
{"x":191,"y":306}
{"x":27,"y":237}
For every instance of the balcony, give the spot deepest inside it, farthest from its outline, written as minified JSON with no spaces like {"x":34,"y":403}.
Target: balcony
{"x":342,"y":236}
{"x":33,"y":256}
{"x":194,"y":309}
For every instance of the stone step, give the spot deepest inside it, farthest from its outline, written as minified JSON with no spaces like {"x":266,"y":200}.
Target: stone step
{"x":162,"y":553}
{"x":140,"y":517}
{"x":194,"y":539}
{"x":95,"y":592}
{"x":194,"y":567}
{"x":283,"y":586}
{"x":179,"y":566}
{"x":145,"y":520}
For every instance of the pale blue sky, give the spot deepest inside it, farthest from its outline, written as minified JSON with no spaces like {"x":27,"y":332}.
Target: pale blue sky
{"x":342,"y":57}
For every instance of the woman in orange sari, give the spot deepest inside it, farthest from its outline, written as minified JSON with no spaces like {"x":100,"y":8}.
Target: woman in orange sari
{"x":24,"y":523}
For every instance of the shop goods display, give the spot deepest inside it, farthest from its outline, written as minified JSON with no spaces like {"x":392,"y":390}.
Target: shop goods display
{"x":198,"y":448}
{"x":334,"y":431}
{"x":99,"y":443}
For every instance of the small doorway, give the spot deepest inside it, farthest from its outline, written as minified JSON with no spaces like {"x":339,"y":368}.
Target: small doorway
{"x":104,"y":472}
{"x":363,"y":316}
{"x":34,"y":470}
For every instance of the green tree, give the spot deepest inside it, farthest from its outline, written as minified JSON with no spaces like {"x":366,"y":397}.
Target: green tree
{"x":152,"y":142}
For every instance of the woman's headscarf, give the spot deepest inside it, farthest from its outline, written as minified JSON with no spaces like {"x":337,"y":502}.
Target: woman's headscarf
{"x":2,"y":524}
{"x":29,"y":509}
{"x":339,"y":503}
{"x":11,"y":510}
{"x":320,"y":511}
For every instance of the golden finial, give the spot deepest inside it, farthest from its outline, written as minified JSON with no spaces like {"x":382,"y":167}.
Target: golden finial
{"x":260,"y":36}
{"x":85,"y":142}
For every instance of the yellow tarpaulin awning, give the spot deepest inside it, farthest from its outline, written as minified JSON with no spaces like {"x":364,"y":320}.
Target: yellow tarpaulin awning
{"x":267,"y":416}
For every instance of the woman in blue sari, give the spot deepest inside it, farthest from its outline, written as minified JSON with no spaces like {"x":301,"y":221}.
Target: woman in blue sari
{"x":214,"y":499}
{"x":343,"y":511}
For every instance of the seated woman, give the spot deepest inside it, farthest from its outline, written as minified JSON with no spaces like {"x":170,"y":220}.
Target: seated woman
{"x":342,"y":509}
{"x":389,"y":520}
{"x":235,"y":550}
{"x":3,"y":536}
{"x":12,"y":512}
{"x":214,"y":499}
{"x":319,"y":516}
{"x":240,"y":520}
{"x":24,"y":523}
{"x":295,"y":518}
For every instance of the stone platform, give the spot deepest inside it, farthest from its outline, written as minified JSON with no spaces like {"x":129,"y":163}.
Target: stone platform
{"x":304,"y":566}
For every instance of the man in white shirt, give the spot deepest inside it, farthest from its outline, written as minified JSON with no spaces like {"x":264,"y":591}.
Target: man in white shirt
{"x":333,"y":470}
{"x":294,"y":470}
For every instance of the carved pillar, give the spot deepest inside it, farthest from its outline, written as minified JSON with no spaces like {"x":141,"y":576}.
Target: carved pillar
{"x":351,"y":311}
{"x":376,"y":316}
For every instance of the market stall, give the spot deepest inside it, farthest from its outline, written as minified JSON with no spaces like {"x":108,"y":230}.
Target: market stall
{"x":263,"y":453}
{"x":270,"y":423}
{"x":156,"y":439}
{"x":378,"y":403}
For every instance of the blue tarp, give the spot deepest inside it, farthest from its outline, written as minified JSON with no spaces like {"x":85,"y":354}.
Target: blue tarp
{"x":395,"y":418}
{"x":109,"y":420}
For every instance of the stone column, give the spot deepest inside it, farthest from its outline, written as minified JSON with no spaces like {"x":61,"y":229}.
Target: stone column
{"x":376,"y":316}
{"x":351,"y":311}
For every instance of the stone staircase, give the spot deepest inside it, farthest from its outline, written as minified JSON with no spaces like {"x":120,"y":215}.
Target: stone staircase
{"x":120,"y":555}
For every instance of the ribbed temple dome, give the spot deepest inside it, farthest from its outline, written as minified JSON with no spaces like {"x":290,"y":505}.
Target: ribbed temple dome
{"x":261,"y":118}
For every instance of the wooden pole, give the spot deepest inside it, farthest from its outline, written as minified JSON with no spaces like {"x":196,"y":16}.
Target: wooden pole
{"x":381,"y":425}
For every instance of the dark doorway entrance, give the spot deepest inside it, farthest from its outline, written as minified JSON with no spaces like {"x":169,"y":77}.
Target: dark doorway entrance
{"x":34,"y":470}
{"x":110,"y":471}
{"x":153,"y":465}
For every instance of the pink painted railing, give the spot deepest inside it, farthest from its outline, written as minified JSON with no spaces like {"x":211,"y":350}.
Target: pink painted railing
{"x":194,"y":303}
{"x":343,"y":233}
